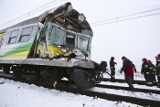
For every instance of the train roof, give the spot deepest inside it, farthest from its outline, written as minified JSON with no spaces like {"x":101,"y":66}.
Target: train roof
{"x":54,"y":11}
{"x":26,"y":22}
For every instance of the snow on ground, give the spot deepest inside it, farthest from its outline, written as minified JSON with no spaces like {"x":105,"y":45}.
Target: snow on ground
{"x":137,"y":76}
{"x":16,"y":94}
{"x":129,"y":93}
{"x":135,"y":85}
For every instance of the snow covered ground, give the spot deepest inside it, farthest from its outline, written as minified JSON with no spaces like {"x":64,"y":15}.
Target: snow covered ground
{"x":16,"y":94}
{"x":118,"y":75}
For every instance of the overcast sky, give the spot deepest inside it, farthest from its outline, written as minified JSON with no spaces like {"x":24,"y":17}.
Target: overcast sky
{"x":134,"y":38}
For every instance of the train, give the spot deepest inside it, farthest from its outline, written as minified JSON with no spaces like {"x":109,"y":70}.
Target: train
{"x":53,"y":46}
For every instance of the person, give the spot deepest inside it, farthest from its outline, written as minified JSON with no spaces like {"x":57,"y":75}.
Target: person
{"x":112,"y":68}
{"x":135,"y":70}
{"x":158,"y":68}
{"x":128,"y":71}
{"x":146,"y":72}
{"x":152,"y":70}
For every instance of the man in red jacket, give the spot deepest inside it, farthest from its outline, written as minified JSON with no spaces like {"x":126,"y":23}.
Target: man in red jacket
{"x":128,"y":69}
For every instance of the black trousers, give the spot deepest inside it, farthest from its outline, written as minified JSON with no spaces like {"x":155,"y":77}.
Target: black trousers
{"x":112,"y":73}
{"x":158,"y":77}
{"x":129,"y":80}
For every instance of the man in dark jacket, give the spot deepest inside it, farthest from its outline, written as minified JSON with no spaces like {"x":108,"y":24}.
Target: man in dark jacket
{"x":112,"y":67}
{"x":128,"y":71}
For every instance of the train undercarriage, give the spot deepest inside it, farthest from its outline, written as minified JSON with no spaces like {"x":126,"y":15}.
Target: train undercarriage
{"x":53,"y":75}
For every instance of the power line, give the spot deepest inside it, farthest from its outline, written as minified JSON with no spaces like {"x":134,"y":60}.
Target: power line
{"x":117,"y":19}
{"x":48,"y":4}
{"x":32,"y":12}
{"x":98,"y":23}
{"x":141,"y":12}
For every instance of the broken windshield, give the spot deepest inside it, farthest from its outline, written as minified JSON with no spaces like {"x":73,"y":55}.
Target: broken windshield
{"x":57,"y":36}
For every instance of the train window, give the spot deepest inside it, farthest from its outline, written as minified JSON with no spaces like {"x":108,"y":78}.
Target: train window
{"x":56,"y":37}
{"x":83,"y":42}
{"x":1,"y":38}
{"x":25,"y":34}
{"x":13,"y":37}
{"x":70,"y":40}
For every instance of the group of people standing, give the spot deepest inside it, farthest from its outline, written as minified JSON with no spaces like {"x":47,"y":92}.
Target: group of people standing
{"x":149,"y":70}
{"x":128,"y":68}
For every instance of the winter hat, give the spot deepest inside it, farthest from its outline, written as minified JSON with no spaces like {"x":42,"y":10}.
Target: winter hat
{"x":123,"y":57}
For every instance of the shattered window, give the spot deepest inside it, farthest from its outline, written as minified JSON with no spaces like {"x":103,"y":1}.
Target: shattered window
{"x":57,"y":36}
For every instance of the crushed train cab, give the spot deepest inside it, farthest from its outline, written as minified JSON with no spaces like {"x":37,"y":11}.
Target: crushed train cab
{"x":52,"y":46}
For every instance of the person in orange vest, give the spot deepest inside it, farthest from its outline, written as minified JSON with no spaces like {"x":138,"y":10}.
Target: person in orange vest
{"x":112,"y":68}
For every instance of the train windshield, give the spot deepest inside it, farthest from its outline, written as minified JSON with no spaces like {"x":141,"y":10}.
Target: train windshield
{"x":57,"y":36}
{"x":83,"y":42}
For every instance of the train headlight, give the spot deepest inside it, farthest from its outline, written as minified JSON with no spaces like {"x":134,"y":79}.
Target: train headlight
{"x":81,"y":18}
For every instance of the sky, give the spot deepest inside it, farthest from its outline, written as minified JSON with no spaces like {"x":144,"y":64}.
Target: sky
{"x":135,"y":38}
{"x":16,"y":94}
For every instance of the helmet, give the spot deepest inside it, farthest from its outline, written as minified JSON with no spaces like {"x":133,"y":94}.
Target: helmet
{"x":149,"y":61}
{"x":158,"y":56}
{"x":112,"y":58}
{"x":144,"y":60}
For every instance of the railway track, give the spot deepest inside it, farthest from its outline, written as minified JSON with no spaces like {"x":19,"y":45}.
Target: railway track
{"x":139,"y":82}
{"x":126,"y":88}
{"x":108,"y":96}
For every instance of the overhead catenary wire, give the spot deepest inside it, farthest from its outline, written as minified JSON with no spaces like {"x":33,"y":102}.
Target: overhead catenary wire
{"x":33,"y":11}
{"x":94,"y":24}
{"x":126,"y":17}
{"x":119,"y":20}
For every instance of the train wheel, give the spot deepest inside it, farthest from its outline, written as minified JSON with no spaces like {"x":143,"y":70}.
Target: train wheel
{"x":6,"y":69}
{"x":80,"y":78}
{"x":98,"y":76}
{"x":17,"y":73}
